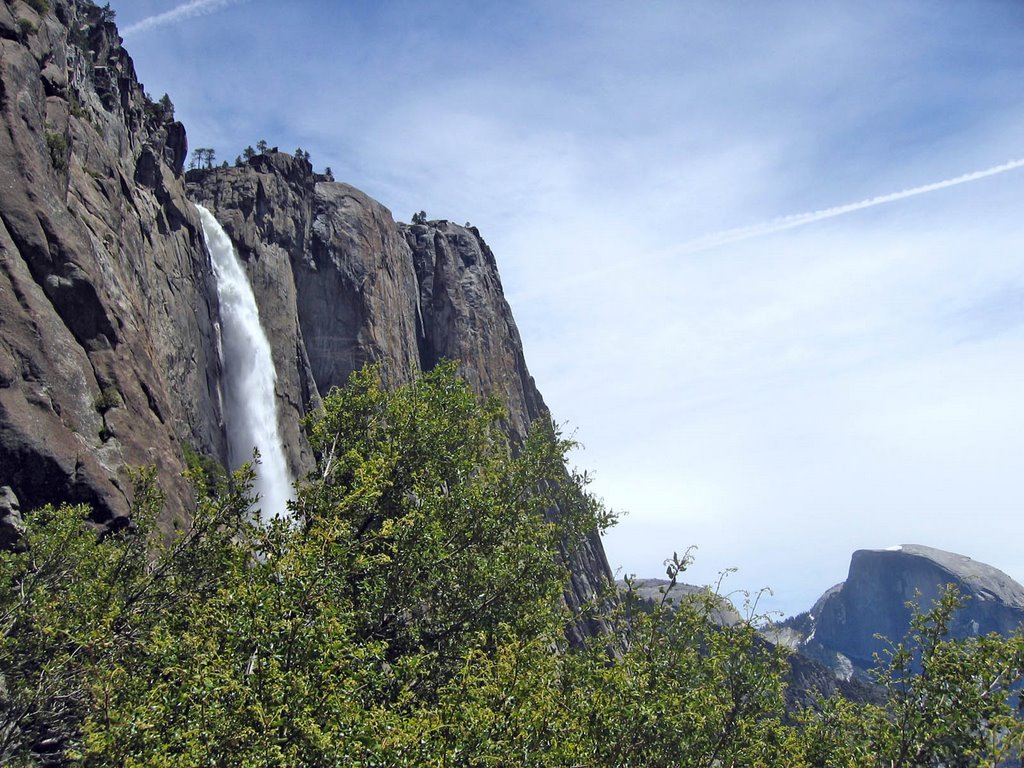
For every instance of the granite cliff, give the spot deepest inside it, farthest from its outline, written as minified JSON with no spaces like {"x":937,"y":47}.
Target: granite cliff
{"x":845,"y":627}
{"x":108,"y":315}
{"x":107,"y":342}
{"x":341,"y":283}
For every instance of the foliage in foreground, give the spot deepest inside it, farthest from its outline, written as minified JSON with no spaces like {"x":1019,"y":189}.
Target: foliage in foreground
{"x":411,"y":614}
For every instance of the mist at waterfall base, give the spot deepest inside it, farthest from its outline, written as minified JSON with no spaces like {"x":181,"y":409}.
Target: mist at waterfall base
{"x":250,"y":408}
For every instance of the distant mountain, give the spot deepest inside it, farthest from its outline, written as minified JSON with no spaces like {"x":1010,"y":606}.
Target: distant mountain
{"x":846,"y":626}
{"x":806,"y":678}
{"x":652,"y":591}
{"x":834,"y":643}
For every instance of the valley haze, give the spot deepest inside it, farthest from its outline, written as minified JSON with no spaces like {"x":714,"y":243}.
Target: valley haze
{"x":778,"y":400}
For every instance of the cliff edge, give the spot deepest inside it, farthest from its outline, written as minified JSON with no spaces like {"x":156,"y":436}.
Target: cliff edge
{"x":340,"y":284}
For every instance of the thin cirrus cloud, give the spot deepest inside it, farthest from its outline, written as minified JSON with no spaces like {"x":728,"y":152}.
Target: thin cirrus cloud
{"x":179,"y":13}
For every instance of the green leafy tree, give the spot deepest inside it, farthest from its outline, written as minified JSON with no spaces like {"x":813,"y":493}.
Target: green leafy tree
{"x":167,"y":108}
{"x":686,"y":691}
{"x":411,"y":614}
{"x":948,"y":702}
{"x":951,"y":702}
{"x":419,"y":549}
{"x":203,"y":157}
{"x":49,"y":615}
{"x":76,"y":607}
{"x":58,"y":148}
{"x":423,"y":477}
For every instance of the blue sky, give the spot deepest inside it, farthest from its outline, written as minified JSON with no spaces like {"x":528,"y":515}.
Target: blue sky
{"x":779,"y":401}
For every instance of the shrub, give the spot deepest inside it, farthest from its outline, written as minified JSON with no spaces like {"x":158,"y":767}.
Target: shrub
{"x":208,"y":474}
{"x":108,"y":398}
{"x":58,"y":149}
{"x":411,"y":614}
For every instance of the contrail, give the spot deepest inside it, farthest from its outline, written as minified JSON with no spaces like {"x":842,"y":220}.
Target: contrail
{"x":726,"y":236}
{"x":800,"y":219}
{"x":179,"y":13}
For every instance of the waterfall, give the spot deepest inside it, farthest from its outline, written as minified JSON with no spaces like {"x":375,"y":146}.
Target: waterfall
{"x":250,"y":407}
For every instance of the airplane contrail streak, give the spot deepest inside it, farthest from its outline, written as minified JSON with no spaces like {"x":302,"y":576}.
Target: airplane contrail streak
{"x":726,"y":236}
{"x":178,"y":13}
{"x":800,"y":219}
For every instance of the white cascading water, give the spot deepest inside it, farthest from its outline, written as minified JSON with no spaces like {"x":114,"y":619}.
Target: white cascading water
{"x":250,"y":407}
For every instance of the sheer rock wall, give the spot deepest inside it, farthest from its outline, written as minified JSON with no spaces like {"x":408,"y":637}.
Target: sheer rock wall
{"x":107,"y":348}
{"x":108,"y":313}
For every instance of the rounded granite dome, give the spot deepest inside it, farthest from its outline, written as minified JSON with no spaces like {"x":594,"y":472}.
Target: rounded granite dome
{"x":875,"y":602}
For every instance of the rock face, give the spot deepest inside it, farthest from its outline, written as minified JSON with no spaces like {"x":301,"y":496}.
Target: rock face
{"x":107,"y":348}
{"x":462,"y":315}
{"x":109,"y":330}
{"x":341,"y":284}
{"x":10,"y":520}
{"x":841,"y":629}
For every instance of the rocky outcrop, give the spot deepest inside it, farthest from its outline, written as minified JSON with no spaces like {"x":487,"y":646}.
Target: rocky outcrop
{"x":107,"y":349}
{"x":462,"y":315}
{"x":11,"y":525}
{"x":807,"y":680}
{"x":651,"y":592}
{"x":846,"y":626}
{"x":341,"y":284}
